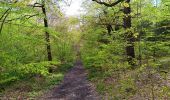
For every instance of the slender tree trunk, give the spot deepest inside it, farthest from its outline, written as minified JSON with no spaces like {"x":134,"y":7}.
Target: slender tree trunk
{"x":47,"y":36}
{"x":109,"y":29}
{"x":130,"y":50}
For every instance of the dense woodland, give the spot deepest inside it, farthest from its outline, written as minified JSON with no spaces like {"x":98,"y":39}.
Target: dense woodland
{"x":124,"y":46}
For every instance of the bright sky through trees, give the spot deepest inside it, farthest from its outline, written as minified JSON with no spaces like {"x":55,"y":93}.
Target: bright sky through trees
{"x":74,"y":8}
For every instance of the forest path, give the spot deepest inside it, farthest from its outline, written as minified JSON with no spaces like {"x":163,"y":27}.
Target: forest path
{"x":74,"y":87}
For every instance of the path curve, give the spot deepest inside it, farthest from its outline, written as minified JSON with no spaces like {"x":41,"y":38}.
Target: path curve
{"x":74,"y":87}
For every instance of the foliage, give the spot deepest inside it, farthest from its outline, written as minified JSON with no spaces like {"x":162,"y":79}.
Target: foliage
{"x":104,"y":57}
{"x":103,"y":36}
{"x":23,"y":46}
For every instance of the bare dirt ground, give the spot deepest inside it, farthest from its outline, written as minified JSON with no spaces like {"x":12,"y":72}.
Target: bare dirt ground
{"x":74,"y":87}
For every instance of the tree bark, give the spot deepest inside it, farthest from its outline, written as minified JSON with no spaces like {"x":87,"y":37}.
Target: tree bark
{"x":47,"y":36}
{"x":130,"y":50}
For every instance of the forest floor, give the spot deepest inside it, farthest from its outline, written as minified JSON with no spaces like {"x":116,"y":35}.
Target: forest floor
{"x":75,"y":86}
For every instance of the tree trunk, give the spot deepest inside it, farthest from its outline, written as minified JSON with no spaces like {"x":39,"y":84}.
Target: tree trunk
{"x":109,"y":29}
{"x":130,"y":50}
{"x":47,"y":36}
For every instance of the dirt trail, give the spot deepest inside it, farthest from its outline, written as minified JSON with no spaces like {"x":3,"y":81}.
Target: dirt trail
{"x":74,"y":87}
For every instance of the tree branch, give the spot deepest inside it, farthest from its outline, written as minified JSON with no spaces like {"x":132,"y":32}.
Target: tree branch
{"x":7,"y":10}
{"x":3,"y":22}
{"x":36,"y":5}
{"x":27,"y":17}
{"x":107,"y":4}
{"x":109,"y":23}
{"x":5,"y":13}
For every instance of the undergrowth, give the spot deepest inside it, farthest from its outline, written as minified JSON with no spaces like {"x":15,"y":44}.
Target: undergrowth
{"x":32,"y":82}
{"x":150,"y":81}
